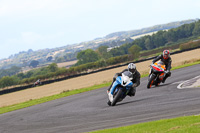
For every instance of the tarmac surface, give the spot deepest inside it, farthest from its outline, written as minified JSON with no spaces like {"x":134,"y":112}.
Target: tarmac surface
{"x":89,"y":111}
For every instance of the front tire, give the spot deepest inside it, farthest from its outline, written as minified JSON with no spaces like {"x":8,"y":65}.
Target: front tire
{"x":151,"y":80}
{"x":109,"y":103}
{"x":116,"y":97}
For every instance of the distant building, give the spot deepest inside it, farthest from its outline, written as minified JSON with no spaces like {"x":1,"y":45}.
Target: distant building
{"x":196,"y":40}
{"x":108,"y":49}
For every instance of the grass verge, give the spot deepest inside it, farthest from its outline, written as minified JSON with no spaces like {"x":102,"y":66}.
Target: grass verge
{"x":49,"y":98}
{"x":68,"y":93}
{"x":187,"y":65}
{"x":186,"y":124}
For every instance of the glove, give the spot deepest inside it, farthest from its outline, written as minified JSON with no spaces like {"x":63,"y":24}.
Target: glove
{"x":167,"y":71}
{"x":151,"y":64}
{"x":116,"y":75}
{"x":134,"y":85}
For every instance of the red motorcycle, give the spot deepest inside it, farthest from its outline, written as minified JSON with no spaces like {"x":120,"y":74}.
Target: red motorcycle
{"x":37,"y":83}
{"x":156,"y":74}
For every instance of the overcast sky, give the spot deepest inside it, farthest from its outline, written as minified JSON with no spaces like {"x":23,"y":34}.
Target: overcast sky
{"x":39,"y":24}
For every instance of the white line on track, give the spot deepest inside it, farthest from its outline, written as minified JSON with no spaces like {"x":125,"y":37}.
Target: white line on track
{"x":187,"y":82}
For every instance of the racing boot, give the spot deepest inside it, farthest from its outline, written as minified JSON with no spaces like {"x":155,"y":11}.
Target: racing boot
{"x":168,"y":74}
{"x":164,"y":79}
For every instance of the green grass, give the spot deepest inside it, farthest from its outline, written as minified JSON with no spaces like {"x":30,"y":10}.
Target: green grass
{"x":186,"y":65}
{"x":186,"y":124}
{"x":68,"y":93}
{"x":49,"y":98}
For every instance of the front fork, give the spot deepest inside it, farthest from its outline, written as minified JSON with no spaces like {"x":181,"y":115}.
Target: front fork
{"x":150,"y":74}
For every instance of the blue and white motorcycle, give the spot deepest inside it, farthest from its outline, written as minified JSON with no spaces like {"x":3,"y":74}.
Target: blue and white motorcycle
{"x":120,"y":88}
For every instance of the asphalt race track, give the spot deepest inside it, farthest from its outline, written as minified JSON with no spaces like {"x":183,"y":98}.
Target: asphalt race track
{"x":89,"y":111}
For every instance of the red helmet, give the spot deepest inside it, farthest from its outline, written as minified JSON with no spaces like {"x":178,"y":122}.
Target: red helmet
{"x":166,"y":54}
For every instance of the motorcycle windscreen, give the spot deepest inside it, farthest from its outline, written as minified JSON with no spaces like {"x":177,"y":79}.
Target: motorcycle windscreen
{"x":128,"y":74}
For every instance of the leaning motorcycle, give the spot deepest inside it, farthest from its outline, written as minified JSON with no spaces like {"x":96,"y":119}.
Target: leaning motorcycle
{"x":120,"y":88}
{"x":37,"y":84}
{"x":156,"y":74}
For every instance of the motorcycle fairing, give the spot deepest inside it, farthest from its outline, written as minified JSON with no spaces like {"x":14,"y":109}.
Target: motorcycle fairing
{"x":119,"y":82}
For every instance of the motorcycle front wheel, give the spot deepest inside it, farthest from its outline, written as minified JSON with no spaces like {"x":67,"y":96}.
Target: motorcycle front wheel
{"x":109,"y":103}
{"x":116,"y":97}
{"x":151,"y":80}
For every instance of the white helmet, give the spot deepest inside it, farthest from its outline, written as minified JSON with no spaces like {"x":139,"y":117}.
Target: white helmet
{"x":132,"y":68}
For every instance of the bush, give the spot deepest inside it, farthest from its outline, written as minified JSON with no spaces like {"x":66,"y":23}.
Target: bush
{"x":189,"y":45}
{"x":117,"y":59}
{"x":8,"y":81}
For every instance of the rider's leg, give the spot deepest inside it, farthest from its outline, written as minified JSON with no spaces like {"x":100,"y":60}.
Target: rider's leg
{"x":166,"y":76}
{"x":132,"y":91}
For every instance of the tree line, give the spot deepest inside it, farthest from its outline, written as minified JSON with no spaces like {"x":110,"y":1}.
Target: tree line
{"x":161,"y":38}
{"x":94,"y":59}
{"x":45,"y":73}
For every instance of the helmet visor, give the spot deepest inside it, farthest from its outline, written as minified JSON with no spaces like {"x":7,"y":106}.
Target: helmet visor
{"x":132,"y":70}
{"x":166,"y":56}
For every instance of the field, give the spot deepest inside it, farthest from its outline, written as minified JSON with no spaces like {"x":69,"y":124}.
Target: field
{"x":86,"y":81}
{"x":63,"y":64}
{"x":66,"y":64}
{"x":151,"y":33}
{"x":147,"y":34}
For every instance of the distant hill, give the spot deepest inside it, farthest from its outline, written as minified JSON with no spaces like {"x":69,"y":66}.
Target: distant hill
{"x":131,"y":33}
{"x":68,"y":52}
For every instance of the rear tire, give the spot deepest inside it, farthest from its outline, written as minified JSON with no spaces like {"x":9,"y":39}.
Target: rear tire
{"x":116,"y":97}
{"x":157,"y":84}
{"x":151,"y":80}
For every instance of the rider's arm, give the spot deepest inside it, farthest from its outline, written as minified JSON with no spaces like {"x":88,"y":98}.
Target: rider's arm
{"x":120,"y":74}
{"x":157,"y":58}
{"x":137,"y":80}
{"x":169,"y":64}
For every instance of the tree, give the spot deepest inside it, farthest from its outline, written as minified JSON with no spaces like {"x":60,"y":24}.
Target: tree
{"x":14,"y":70}
{"x":28,"y":74}
{"x":117,"y":51}
{"x":53,"y":67}
{"x":196,"y":30}
{"x":59,"y":59}
{"x":20,"y":75}
{"x":34,"y":63}
{"x":9,"y":72}
{"x":86,"y":56}
{"x":102,"y":51}
{"x":49,"y":58}
{"x":158,"y":39}
{"x":189,"y":29}
{"x":135,"y":51}
{"x":3,"y":73}
{"x":171,"y":35}
{"x":148,"y":43}
{"x":7,"y":81}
